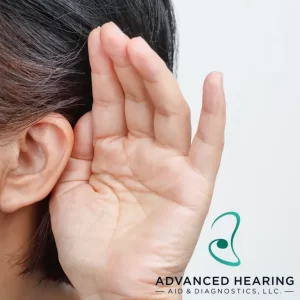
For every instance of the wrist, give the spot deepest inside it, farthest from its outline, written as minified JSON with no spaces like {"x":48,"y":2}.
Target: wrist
{"x":173,"y":297}
{"x":115,"y":297}
{"x":158,"y":291}
{"x":164,"y":296}
{"x":95,"y":297}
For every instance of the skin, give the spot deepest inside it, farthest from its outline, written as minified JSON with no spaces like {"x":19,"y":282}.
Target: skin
{"x":15,"y":231}
{"x":131,"y":189}
{"x":132,"y":202}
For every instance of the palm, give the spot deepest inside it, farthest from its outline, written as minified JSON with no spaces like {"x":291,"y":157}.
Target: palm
{"x":131,"y":203}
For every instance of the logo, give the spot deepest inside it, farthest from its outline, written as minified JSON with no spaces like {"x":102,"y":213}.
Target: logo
{"x":223,"y":244}
{"x":216,"y":285}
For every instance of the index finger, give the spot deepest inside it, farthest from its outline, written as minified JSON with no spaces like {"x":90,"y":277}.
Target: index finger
{"x":108,"y":98}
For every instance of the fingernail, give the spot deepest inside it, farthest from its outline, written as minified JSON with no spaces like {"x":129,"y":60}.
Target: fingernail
{"x":144,"y":46}
{"x":117,"y":29}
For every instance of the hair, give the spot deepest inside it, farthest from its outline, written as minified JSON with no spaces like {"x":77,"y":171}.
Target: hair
{"x":44,"y":68}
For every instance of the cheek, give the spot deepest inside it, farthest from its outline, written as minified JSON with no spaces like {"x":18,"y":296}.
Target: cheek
{"x":3,"y":172}
{"x":8,"y":162}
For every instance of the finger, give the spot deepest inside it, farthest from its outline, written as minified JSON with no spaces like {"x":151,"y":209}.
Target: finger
{"x":78,"y":169}
{"x":108,"y":98}
{"x":172,"y":125}
{"x":83,"y":139}
{"x":138,"y":109}
{"x":208,"y":143}
{"x":79,"y":165}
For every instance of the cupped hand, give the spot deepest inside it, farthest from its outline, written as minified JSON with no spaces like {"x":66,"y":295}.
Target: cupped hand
{"x":132,"y":200}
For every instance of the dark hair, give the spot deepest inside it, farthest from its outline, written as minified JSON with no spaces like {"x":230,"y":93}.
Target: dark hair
{"x":44,"y":68}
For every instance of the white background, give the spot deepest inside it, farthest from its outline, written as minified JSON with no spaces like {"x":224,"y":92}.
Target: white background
{"x":256,"y":44}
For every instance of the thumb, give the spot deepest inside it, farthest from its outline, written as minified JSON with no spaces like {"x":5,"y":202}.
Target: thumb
{"x":78,"y":169}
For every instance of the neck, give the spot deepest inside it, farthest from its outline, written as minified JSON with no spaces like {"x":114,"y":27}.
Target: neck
{"x":16,"y":230}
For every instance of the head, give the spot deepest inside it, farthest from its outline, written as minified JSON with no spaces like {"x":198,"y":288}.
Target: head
{"x":45,"y":88}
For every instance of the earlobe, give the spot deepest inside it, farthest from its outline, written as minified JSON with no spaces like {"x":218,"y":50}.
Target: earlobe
{"x":43,"y":151}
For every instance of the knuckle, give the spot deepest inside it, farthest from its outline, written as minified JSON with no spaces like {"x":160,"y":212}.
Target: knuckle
{"x":132,"y":97}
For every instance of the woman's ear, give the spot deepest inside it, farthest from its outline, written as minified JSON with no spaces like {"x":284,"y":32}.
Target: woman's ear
{"x":36,"y":160}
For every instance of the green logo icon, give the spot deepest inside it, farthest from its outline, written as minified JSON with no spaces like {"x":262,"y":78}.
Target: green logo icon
{"x":223,"y":244}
